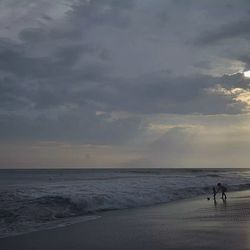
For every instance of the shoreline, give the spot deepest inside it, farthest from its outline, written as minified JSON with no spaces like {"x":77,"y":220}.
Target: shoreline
{"x":69,"y":221}
{"x":184,"y":224}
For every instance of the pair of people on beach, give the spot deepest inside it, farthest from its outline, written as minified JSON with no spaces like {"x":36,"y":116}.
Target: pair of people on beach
{"x":222,"y":189}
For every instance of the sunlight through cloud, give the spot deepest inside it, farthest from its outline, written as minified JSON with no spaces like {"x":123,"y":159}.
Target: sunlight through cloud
{"x":247,"y":73}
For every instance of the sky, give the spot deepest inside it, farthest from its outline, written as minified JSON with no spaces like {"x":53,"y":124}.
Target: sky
{"x":124,"y":83}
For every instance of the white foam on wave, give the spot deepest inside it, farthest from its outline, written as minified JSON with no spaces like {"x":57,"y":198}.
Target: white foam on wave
{"x":52,"y":199}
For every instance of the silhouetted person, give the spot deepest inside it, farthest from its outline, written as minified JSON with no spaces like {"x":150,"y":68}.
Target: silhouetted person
{"x":215,"y":203}
{"x":223,"y":190}
{"x":214,"y":193}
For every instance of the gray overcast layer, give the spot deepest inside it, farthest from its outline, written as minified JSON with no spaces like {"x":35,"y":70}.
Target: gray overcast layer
{"x":105,"y":72}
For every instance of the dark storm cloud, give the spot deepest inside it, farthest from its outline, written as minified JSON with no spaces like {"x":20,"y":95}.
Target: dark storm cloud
{"x":30,"y":83}
{"x":74,"y":127}
{"x":246,"y":59}
{"x":163,"y":93}
{"x":17,"y":61}
{"x":239,"y":29}
{"x":55,"y":77}
{"x":50,"y":80}
{"x":44,"y":81}
{"x":101,"y":12}
{"x":80,"y":18}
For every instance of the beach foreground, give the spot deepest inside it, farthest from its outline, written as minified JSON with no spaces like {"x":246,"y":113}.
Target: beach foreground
{"x":189,"y":224}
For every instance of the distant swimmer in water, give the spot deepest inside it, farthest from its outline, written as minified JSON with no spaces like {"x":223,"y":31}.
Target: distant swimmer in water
{"x":223,"y":190}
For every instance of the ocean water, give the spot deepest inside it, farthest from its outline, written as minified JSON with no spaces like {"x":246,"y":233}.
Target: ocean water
{"x":33,"y":200}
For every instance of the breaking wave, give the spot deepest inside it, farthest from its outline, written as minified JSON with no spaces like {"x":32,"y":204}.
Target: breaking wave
{"x":47,"y":202}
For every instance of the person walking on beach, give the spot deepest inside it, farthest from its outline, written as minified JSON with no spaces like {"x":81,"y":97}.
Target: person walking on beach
{"x":223,"y":190}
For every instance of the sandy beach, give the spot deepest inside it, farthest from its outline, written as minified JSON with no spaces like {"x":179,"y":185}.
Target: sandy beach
{"x":188,"y":224}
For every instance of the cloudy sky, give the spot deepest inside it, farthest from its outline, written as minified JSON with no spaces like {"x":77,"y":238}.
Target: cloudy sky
{"x":124,"y":83}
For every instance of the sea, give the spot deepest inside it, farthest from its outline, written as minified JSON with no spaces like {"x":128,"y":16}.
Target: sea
{"x":33,"y":200}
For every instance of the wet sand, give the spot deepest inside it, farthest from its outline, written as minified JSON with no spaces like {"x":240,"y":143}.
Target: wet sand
{"x":188,"y":224}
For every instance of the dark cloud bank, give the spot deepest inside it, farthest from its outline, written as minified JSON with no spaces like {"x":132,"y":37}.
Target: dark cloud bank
{"x":59,"y":80}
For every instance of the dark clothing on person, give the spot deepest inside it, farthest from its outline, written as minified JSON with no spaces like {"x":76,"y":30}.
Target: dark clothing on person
{"x":214,"y":193}
{"x":223,"y":190}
